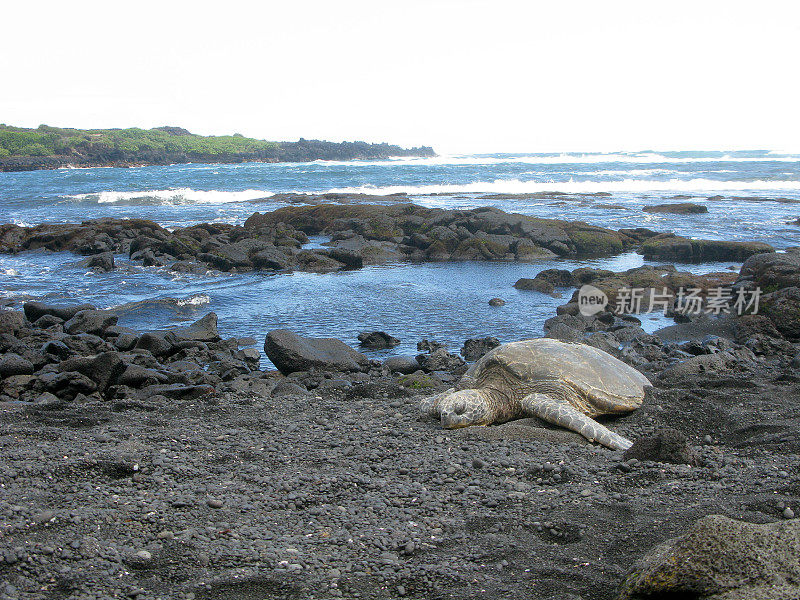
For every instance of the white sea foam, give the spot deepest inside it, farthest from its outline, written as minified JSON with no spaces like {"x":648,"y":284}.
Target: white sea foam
{"x":172,"y":196}
{"x":515,"y":186}
{"x":556,"y":159}
{"x":196,"y":300}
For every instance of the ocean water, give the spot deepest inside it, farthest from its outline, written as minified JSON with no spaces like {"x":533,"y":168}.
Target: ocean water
{"x":750,"y":196}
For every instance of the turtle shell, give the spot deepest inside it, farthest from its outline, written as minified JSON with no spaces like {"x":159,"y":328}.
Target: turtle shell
{"x":604,"y":380}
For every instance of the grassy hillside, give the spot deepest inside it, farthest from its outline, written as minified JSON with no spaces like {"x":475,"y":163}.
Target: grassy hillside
{"x":51,"y":147}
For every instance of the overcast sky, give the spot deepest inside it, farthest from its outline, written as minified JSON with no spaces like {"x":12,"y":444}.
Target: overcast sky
{"x":463,"y":76}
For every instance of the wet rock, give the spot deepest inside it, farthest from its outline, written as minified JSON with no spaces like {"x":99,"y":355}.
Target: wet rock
{"x":290,"y":352}
{"x":202,"y":330}
{"x":271,"y":258}
{"x":475,"y":348}
{"x":672,"y":247}
{"x":678,"y":208}
{"x":667,"y":445}
{"x":772,"y":271}
{"x":719,"y":559}
{"x":90,"y":321}
{"x":35,"y":310}
{"x":377,"y":340}
{"x":401,"y":364}
{"x":103,"y":262}
{"x":497,"y":302}
{"x":535,"y":285}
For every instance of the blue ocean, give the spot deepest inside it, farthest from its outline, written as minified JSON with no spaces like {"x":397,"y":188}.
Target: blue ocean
{"x":751,"y":195}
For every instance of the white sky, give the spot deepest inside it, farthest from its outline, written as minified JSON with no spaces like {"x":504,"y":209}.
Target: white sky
{"x":461,"y":75}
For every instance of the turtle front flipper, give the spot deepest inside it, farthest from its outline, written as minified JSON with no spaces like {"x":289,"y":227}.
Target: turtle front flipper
{"x":558,"y":413}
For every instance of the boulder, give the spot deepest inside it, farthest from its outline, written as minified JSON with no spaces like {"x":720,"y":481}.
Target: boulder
{"x":13,"y":364}
{"x":772,"y":271}
{"x":290,"y":352}
{"x":377,"y":340}
{"x":535,"y":285}
{"x":721,"y":559}
{"x":155,"y":342}
{"x":497,"y":302}
{"x":202,"y":330}
{"x":402,"y":364}
{"x":101,"y":262}
{"x":474,"y":348}
{"x":34,"y":310}
{"x":783,"y":309}
{"x":678,"y":208}
{"x":90,"y":321}
{"x":11,"y":321}
{"x":439,"y":360}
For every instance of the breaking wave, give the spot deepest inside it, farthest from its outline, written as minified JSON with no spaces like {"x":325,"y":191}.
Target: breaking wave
{"x":515,"y":186}
{"x":171,"y":197}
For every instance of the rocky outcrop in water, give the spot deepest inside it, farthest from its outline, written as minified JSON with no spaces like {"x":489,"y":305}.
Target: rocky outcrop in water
{"x":675,"y":248}
{"x":678,"y":208}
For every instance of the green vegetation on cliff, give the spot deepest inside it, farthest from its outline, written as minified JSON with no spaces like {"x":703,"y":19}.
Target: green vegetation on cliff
{"x":52,"y":147}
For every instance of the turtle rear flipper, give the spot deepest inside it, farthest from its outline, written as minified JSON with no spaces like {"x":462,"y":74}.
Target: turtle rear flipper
{"x":558,"y":413}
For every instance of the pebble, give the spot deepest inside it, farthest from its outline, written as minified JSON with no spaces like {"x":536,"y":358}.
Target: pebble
{"x":788,"y":513}
{"x":215,"y":503}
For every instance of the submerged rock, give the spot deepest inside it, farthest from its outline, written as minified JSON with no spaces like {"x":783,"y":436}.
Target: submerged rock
{"x":377,"y":340}
{"x":678,"y":208}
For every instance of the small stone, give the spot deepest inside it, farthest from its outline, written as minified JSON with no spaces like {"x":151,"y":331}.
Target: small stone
{"x":788,"y":513}
{"x":215,"y":503}
{"x":166,"y":535}
{"x":143,"y":555}
{"x":478,"y":464}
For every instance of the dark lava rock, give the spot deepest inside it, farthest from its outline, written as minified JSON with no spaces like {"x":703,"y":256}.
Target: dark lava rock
{"x":401,"y":364}
{"x":290,"y":352}
{"x":11,"y":321}
{"x":535,"y":285}
{"x":101,"y":262}
{"x":783,"y":309}
{"x":497,"y":302}
{"x":377,"y":340}
{"x":202,"y":330}
{"x":667,"y":446}
{"x":155,"y":342}
{"x":679,"y":208}
{"x":429,"y":345}
{"x":439,"y":360}
{"x":676,"y":248}
{"x":474,"y":348}
{"x":14,"y":364}
{"x":720,"y":559}
{"x":90,"y":321}
{"x":35,"y":310}
{"x":773,"y":271}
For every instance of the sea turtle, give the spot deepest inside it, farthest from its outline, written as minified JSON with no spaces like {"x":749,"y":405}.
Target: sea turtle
{"x":563,"y":383}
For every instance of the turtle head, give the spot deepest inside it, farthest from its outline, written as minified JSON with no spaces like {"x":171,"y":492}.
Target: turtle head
{"x":464,"y":408}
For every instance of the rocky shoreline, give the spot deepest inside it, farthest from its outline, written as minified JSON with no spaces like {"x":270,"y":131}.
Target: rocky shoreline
{"x":169,"y":464}
{"x":360,"y":234}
